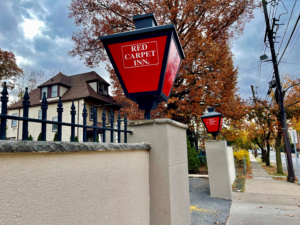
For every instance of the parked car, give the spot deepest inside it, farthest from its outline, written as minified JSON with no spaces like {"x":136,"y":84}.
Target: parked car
{"x":258,"y":151}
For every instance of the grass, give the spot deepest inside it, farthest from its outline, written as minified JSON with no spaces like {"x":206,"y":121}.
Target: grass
{"x":239,"y":184}
{"x":240,"y":180}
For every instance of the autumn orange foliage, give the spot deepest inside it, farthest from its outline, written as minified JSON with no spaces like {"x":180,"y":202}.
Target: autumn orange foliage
{"x":9,"y":69}
{"x":205,"y":29}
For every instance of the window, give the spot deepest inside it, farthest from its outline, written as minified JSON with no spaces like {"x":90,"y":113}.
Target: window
{"x":40,"y":114}
{"x":44,"y":90}
{"x":54,"y":91}
{"x":14,"y":122}
{"x":100,"y":88}
{"x":105,"y":90}
{"x":54,"y":126}
{"x":91,"y":113}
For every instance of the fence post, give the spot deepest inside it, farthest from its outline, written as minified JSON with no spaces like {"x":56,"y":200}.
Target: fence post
{"x":59,"y":118}
{"x":26,"y":104}
{"x":119,"y":127}
{"x":244,"y":166}
{"x":103,"y":124}
{"x":44,"y":107}
{"x":94,"y":123}
{"x":84,"y":115}
{"x":73,"y":113}
{"x":4,"y":100}
{"x":125,"y":128}
{"x":111,"y":126}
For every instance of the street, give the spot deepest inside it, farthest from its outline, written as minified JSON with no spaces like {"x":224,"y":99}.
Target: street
{"x":273,"y":160}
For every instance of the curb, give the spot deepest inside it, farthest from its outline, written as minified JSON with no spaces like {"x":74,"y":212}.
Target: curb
{"x":198,"y":176}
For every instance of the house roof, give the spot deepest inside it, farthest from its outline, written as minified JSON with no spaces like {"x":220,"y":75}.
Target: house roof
{"x":78,"y":89}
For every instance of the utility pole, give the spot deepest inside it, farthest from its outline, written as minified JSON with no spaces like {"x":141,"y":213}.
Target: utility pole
{"x":291,"y":174}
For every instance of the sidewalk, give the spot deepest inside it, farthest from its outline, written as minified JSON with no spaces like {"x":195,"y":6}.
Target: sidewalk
{"x":265,"y":201}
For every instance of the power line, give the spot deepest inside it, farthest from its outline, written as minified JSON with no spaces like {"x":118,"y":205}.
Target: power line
{"x":289,"y":38}
{"x":286,"y":25}
{"x":252,"y":68}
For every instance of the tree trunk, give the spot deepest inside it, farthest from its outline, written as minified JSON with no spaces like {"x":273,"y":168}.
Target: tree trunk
{"x":278,"y":154}
{"x":268,"y":154}
{"x":263,"y":155}
{"x":268,"y":149}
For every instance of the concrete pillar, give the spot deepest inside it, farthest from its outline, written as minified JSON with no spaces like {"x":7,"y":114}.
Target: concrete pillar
{"x":218,"y":169}
{"x":168,"y":169}
{"x":231,"y":165}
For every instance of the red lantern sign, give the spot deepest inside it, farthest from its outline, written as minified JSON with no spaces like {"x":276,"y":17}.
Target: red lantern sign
{"x":213,"y":122}
{"x":145,"y":60}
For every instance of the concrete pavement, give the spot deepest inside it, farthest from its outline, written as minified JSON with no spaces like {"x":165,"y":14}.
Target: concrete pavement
{"x":265,"y":201}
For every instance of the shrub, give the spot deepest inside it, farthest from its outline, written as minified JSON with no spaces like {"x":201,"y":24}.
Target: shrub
{"x":39,"y":137}
{"x":76,"y":139}
{"x":193,"y":161}
{"x":55,"y":136}
{"x":239,"y":157}
{"x":29,"y":138}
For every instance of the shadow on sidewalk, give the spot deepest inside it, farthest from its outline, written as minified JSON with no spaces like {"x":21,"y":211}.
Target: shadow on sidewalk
{"x":205,"y":209}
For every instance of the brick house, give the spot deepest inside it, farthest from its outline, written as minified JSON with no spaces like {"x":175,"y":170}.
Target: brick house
{"x":87,"y":88}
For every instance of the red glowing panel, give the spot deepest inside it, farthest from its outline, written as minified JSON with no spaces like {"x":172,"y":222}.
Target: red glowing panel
{"x":139,"y":62}
{"x":212,"y":124}
{"x":172,"y":68}
{"x":221,"y":122}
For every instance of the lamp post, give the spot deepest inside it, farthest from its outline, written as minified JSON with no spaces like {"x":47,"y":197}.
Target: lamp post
{"x":213,"y":122}
{"x":146,"y":61}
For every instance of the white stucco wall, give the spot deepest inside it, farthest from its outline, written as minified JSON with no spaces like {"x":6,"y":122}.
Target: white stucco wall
{"x":102,"y":187}
{"x":231,"y":164}
{"x":217,"y":157}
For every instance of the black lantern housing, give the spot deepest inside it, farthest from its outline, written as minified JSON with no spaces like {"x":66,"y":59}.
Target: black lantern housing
{"x":213,"y":122}
{"x":146,"y":61}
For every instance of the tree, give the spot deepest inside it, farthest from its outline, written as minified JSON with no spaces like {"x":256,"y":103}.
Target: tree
{"x":291,"y":96}
{"x":9,"y":70}
{"x":31,"y":78}
{"x":205,"y":29}
{"x":193,"y":161}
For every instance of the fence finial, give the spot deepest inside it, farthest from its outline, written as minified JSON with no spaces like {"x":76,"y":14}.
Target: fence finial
{"x":44,"y":98}
{"x":73,"y":106}
{"x":26,"y":95}
{"x":4,"y":91}
{"x":84,"y":108}
{"x":59,"y":105}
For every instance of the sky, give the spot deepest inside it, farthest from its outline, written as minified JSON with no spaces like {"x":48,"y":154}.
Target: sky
{"x":39,"y":34}
{"x":248,"y":48}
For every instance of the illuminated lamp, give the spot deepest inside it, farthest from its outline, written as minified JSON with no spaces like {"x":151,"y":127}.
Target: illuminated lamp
{"x":213,"y":122}
{"x":146,"y":61}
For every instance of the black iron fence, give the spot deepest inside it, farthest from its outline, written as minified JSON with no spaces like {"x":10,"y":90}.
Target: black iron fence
{"x":59,"y":123}
{"x":203,"y":169}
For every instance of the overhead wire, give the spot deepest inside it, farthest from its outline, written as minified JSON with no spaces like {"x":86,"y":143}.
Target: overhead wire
{"x":286,"y":25}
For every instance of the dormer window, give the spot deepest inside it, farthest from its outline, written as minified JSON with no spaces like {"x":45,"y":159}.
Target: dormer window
{"x":102,"y":89}
{"x":105,"y":90}
{"x":51,"y":91}
{"x":44,"y":90}
{"x":54,"y":91}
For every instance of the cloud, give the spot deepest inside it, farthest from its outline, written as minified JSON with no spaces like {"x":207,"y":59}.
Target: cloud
{"x":39,"y":33}
{"x":249,"y":47}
